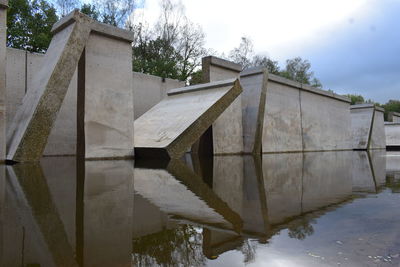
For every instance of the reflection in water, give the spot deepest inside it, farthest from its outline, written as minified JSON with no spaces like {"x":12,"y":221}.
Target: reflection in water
{"x":108,"y":213}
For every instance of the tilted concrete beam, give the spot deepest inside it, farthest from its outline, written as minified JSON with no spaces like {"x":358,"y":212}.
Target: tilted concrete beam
{"x":173,"y":125}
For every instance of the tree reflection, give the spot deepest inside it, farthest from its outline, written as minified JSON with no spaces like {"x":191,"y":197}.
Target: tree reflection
{"x":301,"y":228}
{"x":180,"y":246}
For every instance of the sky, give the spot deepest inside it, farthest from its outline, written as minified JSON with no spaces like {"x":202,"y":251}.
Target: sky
{"x":353,"y":45}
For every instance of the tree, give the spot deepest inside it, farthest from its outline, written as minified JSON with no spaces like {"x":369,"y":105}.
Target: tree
{"x":66,"y":6}
{"x":91,"y":11}
{"x":356,"y":99}
{"x":243,"y":53}
{"x":29,"y":24}
{"x":298,"y":70}
{"x":115,"y":12}
{"x":173,"y":48}
{"x":271,"y":65}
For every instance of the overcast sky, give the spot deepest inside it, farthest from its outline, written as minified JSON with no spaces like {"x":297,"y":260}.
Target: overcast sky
{"x":353,"y":45}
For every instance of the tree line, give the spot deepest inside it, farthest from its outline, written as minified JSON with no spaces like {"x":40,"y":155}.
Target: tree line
{"x":170,"y":48}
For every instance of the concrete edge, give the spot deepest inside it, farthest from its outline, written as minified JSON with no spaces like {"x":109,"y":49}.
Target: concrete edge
{"x":155,"y":76}
{"x":4,"y":4}
{"x":97,"y":27}
{"x":396,"y":114}
{"x":361,"y":106}
{"x":200,"y":87}
{"x":253,"y":71}
{"x":379,"y":109}
{"x":226,"y":64}
{"x":307,"y":88}
{"x":388,"y":123}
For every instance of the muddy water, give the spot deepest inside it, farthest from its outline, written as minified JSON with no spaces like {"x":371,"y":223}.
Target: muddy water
{"x":311,"y":209}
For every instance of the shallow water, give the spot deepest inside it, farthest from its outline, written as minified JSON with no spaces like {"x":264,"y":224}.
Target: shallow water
{"x":311,"y":209}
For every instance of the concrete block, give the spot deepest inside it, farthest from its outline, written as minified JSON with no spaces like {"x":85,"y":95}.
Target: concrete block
{"x":394,"y":117}
{"x":392,"y":132}
{"x":149,"y":90}
{"x":254,"y":83}
{"x":227,"y":130}
{"x":108,"y":98}
{"x":367,"y":127}
{"x":282,"y":131}
{"x":299,"y":117}
{"x":32,"y":123}
{"x":173,"y":125}
{"x":3,"y":60}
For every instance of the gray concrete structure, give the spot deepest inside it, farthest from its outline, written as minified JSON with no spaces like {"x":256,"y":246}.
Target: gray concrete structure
{"x":394,"y":117}
{"x":173,"y":125}
{"x":299,"y":117}
{"x":22,"y":66}
{"x":392,"y":132}
{"x":149,"y":90}
{"x":227,"y":130}
{"x":33,"y":122}
{"x":367,"y":126}
{"x":254,"y":83}
{"x":3,"y":59}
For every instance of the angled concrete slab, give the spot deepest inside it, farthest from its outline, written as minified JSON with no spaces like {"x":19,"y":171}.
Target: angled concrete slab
{"x":392,"y":132}
{"x":3,"y":59}
{"x":367,"y":126}
{"x":227,"y":130}
{"x":105,"y":128}
{"x":254,"y":83}
{"x":299,"y":117}
{"x":28,"y":133}
{"x":173,"y":125}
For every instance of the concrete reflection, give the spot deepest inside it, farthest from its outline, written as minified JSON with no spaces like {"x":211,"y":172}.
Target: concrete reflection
{"x":368,"y":170}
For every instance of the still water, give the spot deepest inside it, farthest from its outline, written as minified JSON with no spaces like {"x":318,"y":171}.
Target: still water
{"x":311,"y":209}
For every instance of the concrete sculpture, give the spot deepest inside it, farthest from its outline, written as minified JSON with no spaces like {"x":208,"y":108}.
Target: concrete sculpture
{"x":169,"y":128}
{"x":80,"y":43}
{"x":3,"y":36}
{"x":394,"y":117}
{"x":367,"y":126}
{"x":392,"y":133}
{"x":226,"y":133}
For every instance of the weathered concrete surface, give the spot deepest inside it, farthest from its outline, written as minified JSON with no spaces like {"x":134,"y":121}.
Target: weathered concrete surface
{"x":302,"y":118}
{"x":108,"y":107}
{"x":3,"y":59}
{"x":392,"y":131}
{"x":254,"y":83}
{"x":149,"y":90}
{"x":392,"y":162}
{"x":367,"y":127}
{"x":394,"y":117}
{"x":227,"y":130}
{"x":32,"y":123}
{"x":173,"y":125}
{"x":108,"y":209}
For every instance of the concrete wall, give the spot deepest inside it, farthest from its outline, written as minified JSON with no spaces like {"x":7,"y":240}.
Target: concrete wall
{"x":21,"y":67}
{"x":394,"y":117}
{"x":367,"y":127}
{"x":301,"y":118}
{"x":227,"y":130}
{"x":392,"y":131}
{"x":148,"y":90}
{"x":3,"y":38}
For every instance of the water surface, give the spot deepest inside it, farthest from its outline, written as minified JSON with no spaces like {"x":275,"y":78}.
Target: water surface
{"x":311,"y":209}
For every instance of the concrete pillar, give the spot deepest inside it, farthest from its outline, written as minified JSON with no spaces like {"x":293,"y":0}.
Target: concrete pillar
{"x":3,"y":39}
{"x":227,"y":131}
{"x":108,"y":95}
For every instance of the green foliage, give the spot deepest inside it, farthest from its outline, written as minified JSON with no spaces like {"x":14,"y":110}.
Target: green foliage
{"x":91,"y":11}
{"x":196,"y":78}
{"x":356,"y":99}
{"x":271,"y":65}
{"x":391,"y":106}
{"x":298,"y":69}
{"x":29,"y":24}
